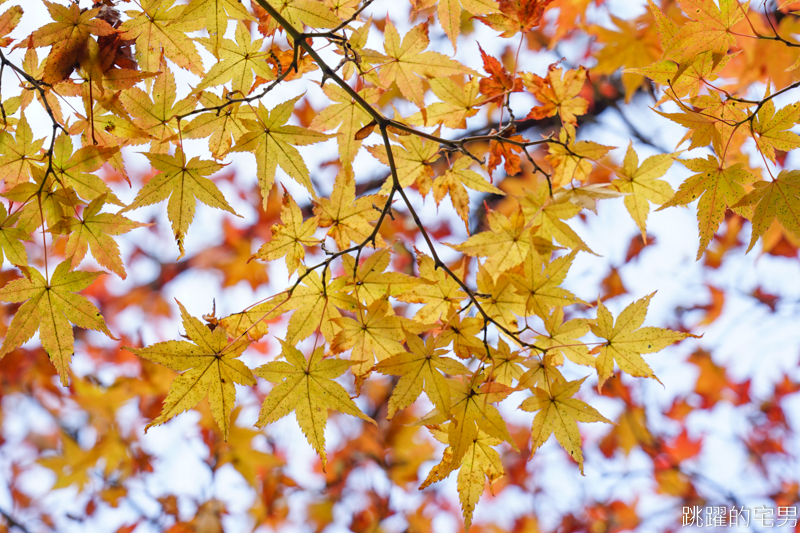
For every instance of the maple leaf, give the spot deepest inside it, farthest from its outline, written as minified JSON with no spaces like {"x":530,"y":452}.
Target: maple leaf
{"x":457,"y":104}
{"x":506,"y":365}
{"x":449,"y":12}
{"x":462,"y":332}
{"x":549,"y":214}
{"x":221,"y":128}
{"x":407,"y":60}
{"x":77,"y":170}
{"x":349,"y":218}
{"x":346,"y":115}
{"x":439,"y":292}
{"x":571,"y":160}
{"x":210,"y":366}
{"x":506,"y":243}
{"x":627,"y":340}
{"x":273,"y":143}
{"x":499,"y":82}
{"x":562,"y":338}
{"x":558,"y":93}
{"x":72,"y":466}
{"x":68,"y":38}
{"x":516,"y":16}
{"x":183,"y":183}
{"x":559,"y":413}
{"x":709,"y":29}
{"x":307,"y":387}
{"x":11,"y":237}
{"x":160,"y":29}
{"x":642,"y":185}
{"x":683,"y":80}
{"x":774,"y":199}
{"x":309,"y":12}
{"x":8,"y":22}
{"x":216,"y":14}
{"x":317,"y":305}
{"x":157,"y":116}
{"x":371,"y":281}
{"x":49,"y":307}
{"x":499,"y":150}
{"x":412,"y":161}
{"x":375,"y":333}
{"x":718,"y":189}
{"x":539,"y":282}
{"x":94,"y":229}
{"x":422,"y":367}
{"x":454,"y":181}
{"x":500,"y":301}
{"x":18,"y":156}
{"x":480,"y":462}
{"x":289,"y":239}
{"x":239,"y":62}
{"x":772,"y":126}
{"x":471,"y":411}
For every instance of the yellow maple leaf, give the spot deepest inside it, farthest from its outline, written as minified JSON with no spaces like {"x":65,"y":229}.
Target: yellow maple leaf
{"x":210,"y":367}
{"x":18,"y":155}
{"x":772,"y":128}
{"x":709,"y":29}
{"x":239,"y":62}
{"x":290,"y":238}
{"x":572,"y":160}
{"x":183,"y":183}
{"x":559,"y":413}
{"x":626,"y":340}
{"x":372,"y":281}
{"x":642,"y":185}
{"x":457,"y":105}
{"x":422,"y":367}
{"x":307,"y":387}
{"x":539,"y":282}
{"x":439,"y":292}
{"x":216,"y":14}
{"x":454,"y":181}
{"x":775,"y":199}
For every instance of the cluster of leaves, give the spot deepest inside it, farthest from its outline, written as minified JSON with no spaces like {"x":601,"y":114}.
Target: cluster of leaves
{"x":467,"y":323}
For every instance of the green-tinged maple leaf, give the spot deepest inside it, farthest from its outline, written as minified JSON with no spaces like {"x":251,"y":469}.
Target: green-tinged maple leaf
{"x":539,"y":282}
{"x":449,"y":12}
{"x":222,"y":128}
{"x":312,"y":13}
{"x":479,"y":463}
{"x":412,"y":160}
{"x":771,"y":128}
{"x":549,"y":214}
{"x":183,"y":182}
{"x":421,"y":367}
{"x":375,"y":333}
{"x":500,"y":301}
{"x":439,"y":292}
{"x":317,"y":306}
{"x":18,"y":155}
{"x":471,"y":410}
{"x":718,"y":189}
{"x":454,"y":181}
{"x":557,"y":93}
{"x":68,"y":38}
{"x":642,"y":185}
{"x":559,"y":413}
{"x":627,"y":340}
{"x":210,"y":366}
{"x":45,"y":201}
{"x":289,"y":238}
{"x":562,"y":338}
{"x":216,"y":14}
{"x":239,"y":62}
{"x":347,"y":116}
{"x":458,"y":103}
{"x":79,"y":169}
{"x":157,"y":116}
{"x":11,"y":239}
{"x":49,"y":307}
{"x":349,"y":218}
{"x":160,"y":29}
{"x":779,"y":199}
{"x":372,"y":281}
{"x":407,"y":61}
{"x":516,"y":16}
{"x":709,"y":29}
{"x":307,"y":387}
{"x":506,"y":244}
{"x":273,"y":142}
{"x":93,"y":230}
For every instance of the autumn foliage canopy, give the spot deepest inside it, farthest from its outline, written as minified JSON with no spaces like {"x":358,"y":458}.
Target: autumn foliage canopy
{"x":296,"y":152}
